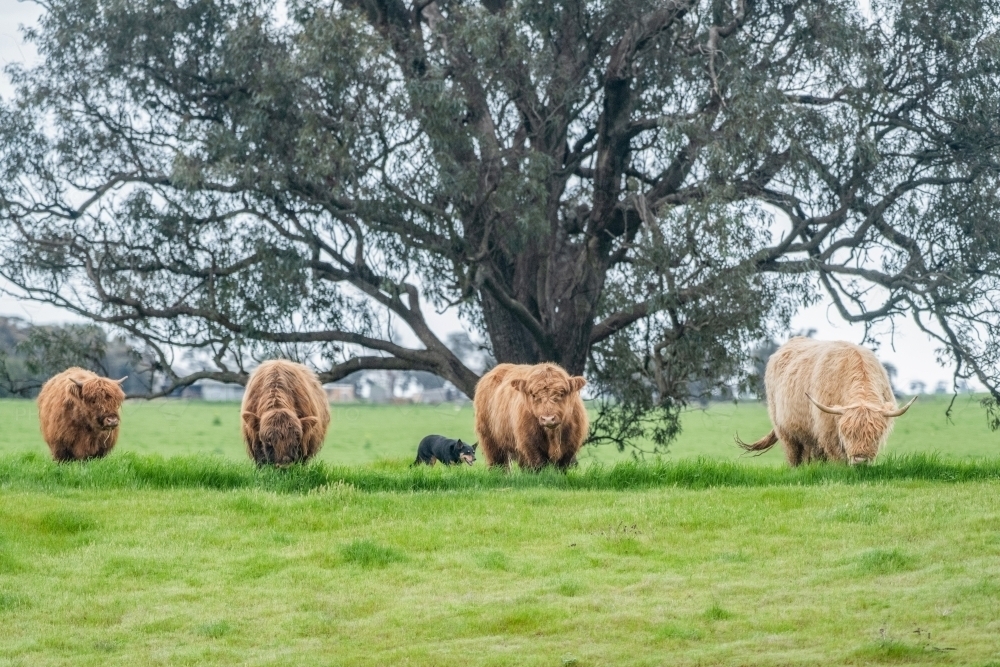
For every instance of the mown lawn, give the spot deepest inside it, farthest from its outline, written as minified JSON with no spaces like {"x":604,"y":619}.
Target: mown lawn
{"x":227,"y":566}
{"x":368,"y":433}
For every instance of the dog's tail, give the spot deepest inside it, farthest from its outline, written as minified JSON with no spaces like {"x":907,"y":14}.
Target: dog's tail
{"x":416,"y":461}
{"x":761,"y":445}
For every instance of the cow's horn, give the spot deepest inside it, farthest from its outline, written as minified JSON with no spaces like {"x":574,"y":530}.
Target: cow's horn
{"x":825,"y":408}
{"x":896,"y":413}
{"x":122,"y":380}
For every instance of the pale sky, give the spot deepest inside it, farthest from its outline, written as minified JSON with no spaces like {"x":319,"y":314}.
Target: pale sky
{"x":909,"y":349}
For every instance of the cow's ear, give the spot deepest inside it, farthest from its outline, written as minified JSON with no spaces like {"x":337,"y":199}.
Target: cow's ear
{"x":577,"y":383}
{"x":518,"y":385}
{"x":309,"y":422}
{"x":250,"y":419}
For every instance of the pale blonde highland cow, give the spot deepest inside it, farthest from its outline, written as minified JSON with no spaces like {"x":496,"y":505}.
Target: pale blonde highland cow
{"x":828,"y":400}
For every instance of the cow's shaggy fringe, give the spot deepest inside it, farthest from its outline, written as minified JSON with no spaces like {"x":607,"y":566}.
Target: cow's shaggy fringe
{"x":131,"y":471}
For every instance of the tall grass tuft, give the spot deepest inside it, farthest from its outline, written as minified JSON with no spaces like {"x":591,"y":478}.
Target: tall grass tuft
{"x":32,"y":471}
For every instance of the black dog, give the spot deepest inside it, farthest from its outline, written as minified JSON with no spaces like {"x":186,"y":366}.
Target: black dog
{"x":436,"y":448}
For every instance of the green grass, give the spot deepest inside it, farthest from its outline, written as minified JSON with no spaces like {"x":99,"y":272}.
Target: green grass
{"x":369,"y":433}
{"x":820,"y":572}
{"x":127,"y":472}
{"x":176,"y":550}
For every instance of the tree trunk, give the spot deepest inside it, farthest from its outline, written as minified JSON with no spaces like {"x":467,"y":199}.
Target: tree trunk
{"x":561,"y":289}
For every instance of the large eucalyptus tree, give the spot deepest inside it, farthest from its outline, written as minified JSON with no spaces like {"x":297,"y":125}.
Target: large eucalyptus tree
{"x":636,"y":189}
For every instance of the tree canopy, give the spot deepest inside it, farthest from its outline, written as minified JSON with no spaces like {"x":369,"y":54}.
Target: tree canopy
{"x":635,"y":189}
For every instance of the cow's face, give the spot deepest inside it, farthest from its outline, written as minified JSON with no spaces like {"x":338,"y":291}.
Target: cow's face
{"x":863,"y":427}
{"x":102,"y":401}
{"x":549,"y":392}
{"x":281,"y":433}
{"x":863,"y":430}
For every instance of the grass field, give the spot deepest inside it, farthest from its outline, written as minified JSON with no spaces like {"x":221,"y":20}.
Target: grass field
{"x":368,"y":433}
{"x":175,"y":550}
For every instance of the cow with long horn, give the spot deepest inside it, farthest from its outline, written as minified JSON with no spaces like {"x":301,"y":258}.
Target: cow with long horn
{"x":828,"y":400}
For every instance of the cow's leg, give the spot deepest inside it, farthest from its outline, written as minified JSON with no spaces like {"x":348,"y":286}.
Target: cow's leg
{"x":567,"y":461}
{"x":813,"y":451}
{"x":530,"y":458}
{"x":62,"y":452}
{"x":493,"y":453}
{"x":500,"y":459}
{"x":85,"y":448}
{"x":827,"y":443}
{"x":794,"y":450}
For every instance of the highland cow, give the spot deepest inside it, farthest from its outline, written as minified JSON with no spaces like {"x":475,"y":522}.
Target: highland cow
{"x":828,"y":400}
{"x":79,"y":414}
{"x":530,"y":414}
{"x":285,"y":414}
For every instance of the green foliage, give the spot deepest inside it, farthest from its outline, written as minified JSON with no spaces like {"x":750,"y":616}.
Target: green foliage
{"x":29,"y":355}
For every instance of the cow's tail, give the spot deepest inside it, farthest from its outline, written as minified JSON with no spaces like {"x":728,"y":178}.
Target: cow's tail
{"x":761,"y":445}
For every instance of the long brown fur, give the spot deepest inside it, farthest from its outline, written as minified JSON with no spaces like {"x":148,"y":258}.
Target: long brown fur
{"x":836,"y":374}
{"x":511,"y":403}
{"x":79,"y":414}
{"x":285,"y":413}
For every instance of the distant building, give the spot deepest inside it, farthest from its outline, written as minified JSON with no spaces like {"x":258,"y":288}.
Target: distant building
{"x":434,"y":396}
{"x":340,"y":393}
{"x":396,"y":387}
{"x":445,"y":394}
{"x":219,"y":391}
{"x":401,"y":387}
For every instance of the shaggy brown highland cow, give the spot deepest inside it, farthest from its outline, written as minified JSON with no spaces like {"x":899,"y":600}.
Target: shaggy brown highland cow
{"x":78,"y":412}
{"x":828,"y":400}
{"x":530,"y":414}
{"x":285,"y":413}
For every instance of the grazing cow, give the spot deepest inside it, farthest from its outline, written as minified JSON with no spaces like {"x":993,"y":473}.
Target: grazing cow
{"x":79,"y":414}
{"x":285,"y":413}
{"x":828,"y":400}
{"x":530,"y":414}
{"x":434,"y":448}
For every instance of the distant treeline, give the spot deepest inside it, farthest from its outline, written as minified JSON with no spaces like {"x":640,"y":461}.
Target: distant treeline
{"x":30,"y":354}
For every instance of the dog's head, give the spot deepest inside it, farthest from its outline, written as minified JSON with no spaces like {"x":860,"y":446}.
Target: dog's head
{"x":466,"y":453}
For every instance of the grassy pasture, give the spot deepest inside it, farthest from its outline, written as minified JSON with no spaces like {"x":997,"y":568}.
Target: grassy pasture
{"x":98,"y":566}
{"x":175,"y":550}
{"x":369,"y":433}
